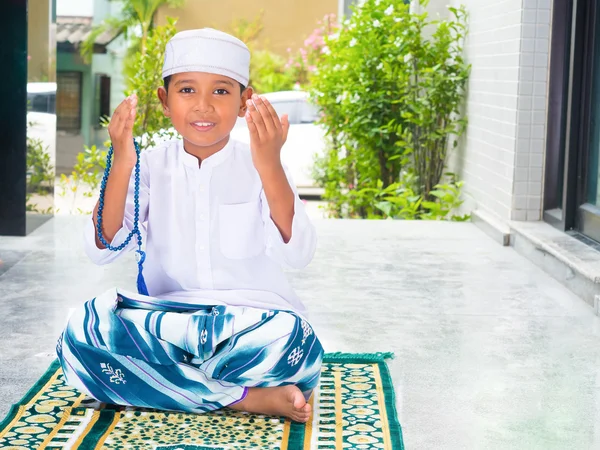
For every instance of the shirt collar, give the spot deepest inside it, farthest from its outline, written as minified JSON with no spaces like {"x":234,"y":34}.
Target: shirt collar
{"x":211,"y":161}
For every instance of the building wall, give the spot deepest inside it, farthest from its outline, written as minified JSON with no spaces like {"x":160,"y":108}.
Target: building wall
{"x":68,"y":145}
{"x":501,"y":157}
{"x":39,"y":42}
{"x":111,"y":63}
{"x":286,"y":23}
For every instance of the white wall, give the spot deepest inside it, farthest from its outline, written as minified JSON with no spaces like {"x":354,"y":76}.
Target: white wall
{"x":81,"y":8}
{"x":501,"y":157}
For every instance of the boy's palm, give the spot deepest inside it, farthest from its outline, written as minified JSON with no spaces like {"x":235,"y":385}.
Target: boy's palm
{"x":267,"y":133}
{"x":120,"y":130}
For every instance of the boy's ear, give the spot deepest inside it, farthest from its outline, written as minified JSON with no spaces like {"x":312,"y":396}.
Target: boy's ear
{"x":246,"y":95}
{"x":162,"y":96}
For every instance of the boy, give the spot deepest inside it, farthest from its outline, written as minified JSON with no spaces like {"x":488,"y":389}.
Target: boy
{"x":221,"y":326}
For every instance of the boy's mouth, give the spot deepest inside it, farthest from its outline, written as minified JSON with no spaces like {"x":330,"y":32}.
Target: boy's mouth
{"x":203,"y":126}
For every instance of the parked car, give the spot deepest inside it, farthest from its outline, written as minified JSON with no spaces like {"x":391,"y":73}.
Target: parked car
{"x":41,"y":115}
{"x":305,"y":139}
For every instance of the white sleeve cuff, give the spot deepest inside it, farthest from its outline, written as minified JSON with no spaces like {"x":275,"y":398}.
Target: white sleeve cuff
{"x":104,"y":256}
{"x":299,"y":251}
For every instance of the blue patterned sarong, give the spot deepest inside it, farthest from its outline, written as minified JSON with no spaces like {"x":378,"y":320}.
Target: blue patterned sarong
{"x":133,"y":350}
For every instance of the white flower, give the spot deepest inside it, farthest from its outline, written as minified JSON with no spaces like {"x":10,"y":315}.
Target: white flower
{"x":389,"y":11}
{"x":353,"y":42}
{"x":325,"y":50}
{"x":396,"y":19}
{"x":334,"y":36}
{"x":343,"y":152}
{"x":407,"y":58}
{"x":337,"y":67}
{"x":355,"y":98}
{"x":376,"y":23}
{"x":340,"y":99}
{"x":380,"y":66}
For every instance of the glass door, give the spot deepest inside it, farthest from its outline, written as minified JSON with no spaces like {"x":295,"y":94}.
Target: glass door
{"x":588,"y":217}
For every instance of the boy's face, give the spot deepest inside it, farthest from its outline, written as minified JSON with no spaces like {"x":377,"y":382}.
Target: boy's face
{"x":203,"y":107}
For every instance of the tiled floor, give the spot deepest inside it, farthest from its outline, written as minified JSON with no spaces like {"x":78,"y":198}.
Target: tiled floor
{"x":490,"y":352}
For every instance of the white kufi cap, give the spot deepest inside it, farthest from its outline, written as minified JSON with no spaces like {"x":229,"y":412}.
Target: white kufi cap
{"x":207,"y":50}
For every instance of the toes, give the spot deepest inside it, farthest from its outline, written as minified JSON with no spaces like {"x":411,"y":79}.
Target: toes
{"x":303,"y":415}
{"x":301,"y":418}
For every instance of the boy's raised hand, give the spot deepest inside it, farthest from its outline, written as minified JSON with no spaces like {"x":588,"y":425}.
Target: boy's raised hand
{"x":267,"y":133}
{"x":120,"y":130}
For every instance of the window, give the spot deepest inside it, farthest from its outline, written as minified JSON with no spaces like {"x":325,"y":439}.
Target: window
{"x":68,"y":101}
{"x":41,"y":103}
{"x":102,"y":98}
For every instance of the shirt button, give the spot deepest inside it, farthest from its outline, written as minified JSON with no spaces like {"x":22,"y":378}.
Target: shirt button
{"x":201,"y":188}
{"x":202,"y":217}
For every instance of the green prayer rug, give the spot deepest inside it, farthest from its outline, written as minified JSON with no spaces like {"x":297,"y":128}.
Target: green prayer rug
{"x":354,"y":407}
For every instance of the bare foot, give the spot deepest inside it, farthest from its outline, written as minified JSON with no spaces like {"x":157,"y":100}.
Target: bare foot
{"x":285,"y":401}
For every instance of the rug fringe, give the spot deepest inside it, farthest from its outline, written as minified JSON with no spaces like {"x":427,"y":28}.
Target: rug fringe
{"x":375,"y":357}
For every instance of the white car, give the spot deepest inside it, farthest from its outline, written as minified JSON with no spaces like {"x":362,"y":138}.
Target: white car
{"x":305,"y":139}
{"x":41,"y":116}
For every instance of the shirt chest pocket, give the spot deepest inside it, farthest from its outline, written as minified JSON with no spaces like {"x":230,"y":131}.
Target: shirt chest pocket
{"x":241,"y":230}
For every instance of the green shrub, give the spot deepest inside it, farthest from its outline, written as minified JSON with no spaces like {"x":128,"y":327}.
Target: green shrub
{"x":390,"y":99}
{"x":40,"y":175}
{"x":268,"y":72}
{"x":147,"y":78}
{"x":85,"y":178}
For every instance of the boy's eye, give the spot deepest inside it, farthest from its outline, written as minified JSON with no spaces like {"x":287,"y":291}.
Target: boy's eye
{"x":187,"y":90}
{"x":221,"y":91}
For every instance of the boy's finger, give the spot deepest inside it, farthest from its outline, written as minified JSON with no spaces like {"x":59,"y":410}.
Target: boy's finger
{"x":257,"y":119}
{"x":119,"y":116}
{"x":252,"y":127}
{"x":273,"y":113}
{"x":285,"y":125}
{"x":119,"y":121}
{"x":265,"y":113}
{"x":130,"y":121}
{"x":125,"y":105}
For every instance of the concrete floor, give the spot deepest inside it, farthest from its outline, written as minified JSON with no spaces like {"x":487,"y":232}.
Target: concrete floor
{"x":491,"y":353}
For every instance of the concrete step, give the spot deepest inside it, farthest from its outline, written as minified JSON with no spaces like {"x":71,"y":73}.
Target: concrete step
{"x":564,"y":256}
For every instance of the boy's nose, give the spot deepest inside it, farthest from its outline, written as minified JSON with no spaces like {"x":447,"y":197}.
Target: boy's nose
{"x":203,"y":105}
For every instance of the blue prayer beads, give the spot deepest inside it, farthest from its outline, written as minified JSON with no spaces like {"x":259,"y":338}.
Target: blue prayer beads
{"x":140,"y":254}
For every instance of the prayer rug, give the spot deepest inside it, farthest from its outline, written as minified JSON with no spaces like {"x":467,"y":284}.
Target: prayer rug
{"x":354,"y":407}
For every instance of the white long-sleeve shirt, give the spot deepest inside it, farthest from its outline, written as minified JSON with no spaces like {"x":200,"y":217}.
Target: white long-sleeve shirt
{"x":207,"y":230}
